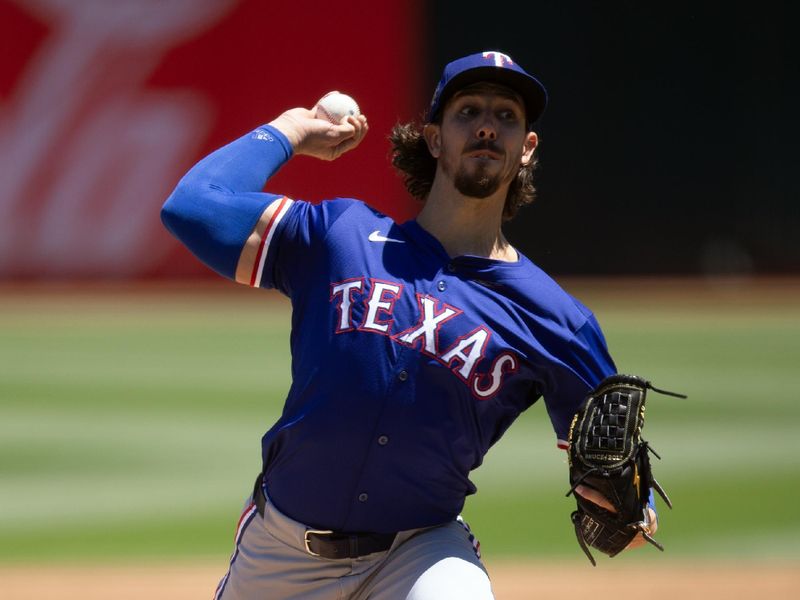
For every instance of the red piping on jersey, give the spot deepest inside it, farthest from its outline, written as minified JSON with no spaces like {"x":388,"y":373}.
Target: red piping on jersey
{"x":264,"y":239}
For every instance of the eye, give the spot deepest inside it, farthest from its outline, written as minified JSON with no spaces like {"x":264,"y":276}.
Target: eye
{"x":507,"y":114}
{"x":468,"y":110}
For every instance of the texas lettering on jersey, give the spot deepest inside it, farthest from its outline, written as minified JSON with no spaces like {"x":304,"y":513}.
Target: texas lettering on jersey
{"x":462,"y":357}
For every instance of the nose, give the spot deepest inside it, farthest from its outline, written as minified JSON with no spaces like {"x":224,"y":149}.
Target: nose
{"x":487,"y":130}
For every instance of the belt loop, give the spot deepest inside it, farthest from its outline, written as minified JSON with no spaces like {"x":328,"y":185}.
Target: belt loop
{"x":353,"y":546}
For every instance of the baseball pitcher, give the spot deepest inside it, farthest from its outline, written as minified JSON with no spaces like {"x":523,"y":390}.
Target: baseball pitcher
{"x":414,"y":346}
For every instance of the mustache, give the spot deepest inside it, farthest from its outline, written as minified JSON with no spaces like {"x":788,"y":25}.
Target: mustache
{"x":484,"y":145}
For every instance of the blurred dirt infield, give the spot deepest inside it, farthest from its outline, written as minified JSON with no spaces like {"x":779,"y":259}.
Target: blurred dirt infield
{"x":510,"y":580}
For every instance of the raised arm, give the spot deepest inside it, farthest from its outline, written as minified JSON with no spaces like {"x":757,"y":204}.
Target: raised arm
{"x":218,"y":207}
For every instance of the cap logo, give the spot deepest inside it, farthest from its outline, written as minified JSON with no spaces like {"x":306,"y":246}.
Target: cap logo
{"x":499,"y":58}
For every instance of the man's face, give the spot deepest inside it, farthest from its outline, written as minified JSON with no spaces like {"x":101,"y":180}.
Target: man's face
{"x":482,"y":139}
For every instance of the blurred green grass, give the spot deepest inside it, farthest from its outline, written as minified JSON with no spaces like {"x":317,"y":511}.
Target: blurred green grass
{"x":130,"y":421}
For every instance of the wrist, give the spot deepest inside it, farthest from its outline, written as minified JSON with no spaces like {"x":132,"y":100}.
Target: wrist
{"x":273,"y":134}
{"x":289,"y":129}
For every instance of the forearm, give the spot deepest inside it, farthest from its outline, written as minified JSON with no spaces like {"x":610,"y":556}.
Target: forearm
{"x":216,"y":205}
{"x":244,"y":165}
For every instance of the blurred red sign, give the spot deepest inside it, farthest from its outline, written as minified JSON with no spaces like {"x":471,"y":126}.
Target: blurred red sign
{"x":104,"y":105}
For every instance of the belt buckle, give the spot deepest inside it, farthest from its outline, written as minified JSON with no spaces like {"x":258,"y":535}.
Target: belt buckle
{"x":318,"y":532}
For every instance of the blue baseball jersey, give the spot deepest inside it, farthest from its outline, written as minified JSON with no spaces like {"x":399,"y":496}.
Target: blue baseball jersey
{"x":407,"y":364}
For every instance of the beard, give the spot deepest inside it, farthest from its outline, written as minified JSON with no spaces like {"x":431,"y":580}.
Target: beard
{"x":476,"y":182}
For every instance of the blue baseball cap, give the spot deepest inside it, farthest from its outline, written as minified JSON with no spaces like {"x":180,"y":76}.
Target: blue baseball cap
{"x":493,"y":67}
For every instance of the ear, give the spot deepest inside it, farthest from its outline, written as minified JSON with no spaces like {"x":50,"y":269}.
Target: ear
{"x":433,"y":138}
{"x":531,"y":141}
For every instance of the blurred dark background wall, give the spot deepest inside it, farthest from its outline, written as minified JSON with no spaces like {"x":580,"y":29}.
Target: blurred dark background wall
{"x":670,"y":141}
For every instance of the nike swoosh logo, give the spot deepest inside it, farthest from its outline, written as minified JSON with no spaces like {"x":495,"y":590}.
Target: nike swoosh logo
{"x":375,"y":236}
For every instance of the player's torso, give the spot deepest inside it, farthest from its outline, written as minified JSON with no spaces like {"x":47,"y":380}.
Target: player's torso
{"x":388,"y":301}
{"x":407,"y":366}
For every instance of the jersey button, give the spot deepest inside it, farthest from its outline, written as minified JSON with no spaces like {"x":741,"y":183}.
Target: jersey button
{"x":383,"y":440}
{"x":402,"y":375}
{"x":441,"y":286}
{"x":363,"y":497}
{"x":451,"y":268}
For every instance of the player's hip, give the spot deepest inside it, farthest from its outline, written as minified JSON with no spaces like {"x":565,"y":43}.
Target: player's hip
{"x":273,"y":558}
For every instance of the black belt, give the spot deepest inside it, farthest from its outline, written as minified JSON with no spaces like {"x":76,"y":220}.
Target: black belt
{"x":332,"y":544}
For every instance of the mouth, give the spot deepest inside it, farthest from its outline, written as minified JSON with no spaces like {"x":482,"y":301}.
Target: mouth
{"x":484,"y":152}
{"x":484,"y":155}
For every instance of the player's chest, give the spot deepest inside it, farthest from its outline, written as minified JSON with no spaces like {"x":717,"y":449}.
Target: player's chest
{"x":448,"y":319}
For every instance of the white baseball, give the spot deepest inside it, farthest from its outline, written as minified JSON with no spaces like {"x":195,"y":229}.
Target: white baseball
{"x":334,"y":107}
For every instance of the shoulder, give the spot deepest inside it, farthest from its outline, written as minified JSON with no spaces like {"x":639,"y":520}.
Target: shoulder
{"x":351,"y":213}
{"x":357,"y":206}
{"x":334,"y":221}
{"x":339,"y":206}
{"x":545,"y":296}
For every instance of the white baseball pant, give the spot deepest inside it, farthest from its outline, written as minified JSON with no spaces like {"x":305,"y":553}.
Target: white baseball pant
{"x":270,"y":561}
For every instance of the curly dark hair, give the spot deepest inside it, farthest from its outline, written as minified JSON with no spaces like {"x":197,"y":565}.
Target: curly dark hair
{"x":413,"y":161}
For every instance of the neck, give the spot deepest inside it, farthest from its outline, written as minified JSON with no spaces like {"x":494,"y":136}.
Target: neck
{"x":466,"y":225}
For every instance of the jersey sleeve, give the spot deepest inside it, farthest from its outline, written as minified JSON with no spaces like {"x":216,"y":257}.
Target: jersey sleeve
{"x":585,"y":364}
{"x":291,"y":247}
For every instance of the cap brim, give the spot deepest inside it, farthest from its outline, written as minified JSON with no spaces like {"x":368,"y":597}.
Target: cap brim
{"x":533,"y":93}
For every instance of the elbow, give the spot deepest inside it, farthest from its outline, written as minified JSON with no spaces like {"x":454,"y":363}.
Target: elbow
{"x":169,"y":214}
{"x":197,"y":221}
{"x":176,"y":210}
